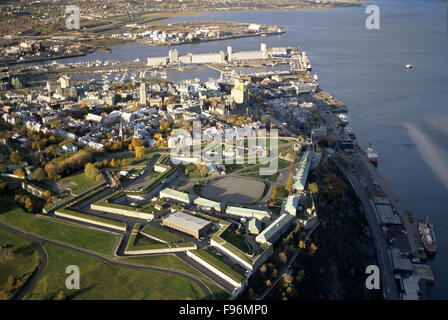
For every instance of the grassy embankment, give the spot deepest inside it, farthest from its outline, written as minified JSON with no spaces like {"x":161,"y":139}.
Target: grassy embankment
{"x":18,"y":260}
{"x":102,"y":281}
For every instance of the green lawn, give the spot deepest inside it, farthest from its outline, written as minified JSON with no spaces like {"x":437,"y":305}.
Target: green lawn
{"x":219,"y":264}
{"x":231,"y":237}
{"x":173,"y":262}
{"x":160,"y":233}
{"x":18,"y":258}
{"x":106,"y":282}
{"x":92,"y":218}
{"x":94,"y":240}
{"x":80,"y":183}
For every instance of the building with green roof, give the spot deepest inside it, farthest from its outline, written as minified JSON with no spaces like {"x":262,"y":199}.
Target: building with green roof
{"x":301,"y":175}
{"x":247,"y":212}
{"x":203,"y":202}
{"x":276,"y":229}
{"x":175,"y":195}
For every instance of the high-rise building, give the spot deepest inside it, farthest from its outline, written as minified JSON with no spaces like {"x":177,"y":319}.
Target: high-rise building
{"x":239,"y":93}
{"x":143,"y":93}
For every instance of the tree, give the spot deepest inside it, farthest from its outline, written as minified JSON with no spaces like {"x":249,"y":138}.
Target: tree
{"x":28,"y":204}
{"x":263,"y":268}
{"x":312,"y":249}
{"x":283,"y":258}
{"x":287,"y":278}
{"x":313,"y":187}
{"x":16,"y":158}
{"x":274,"y":191}
{"x":288,"y":184}
{"x":50,"y":170}
{"x":268,"y":283}
{"x":112,"y":162}
{"x":19,"y":172}
{"x":47,"y":195}
{"x":139,"y":152}
{"x":91,"y":171}
{"x":38,"y":175}
{"x":35,"y":145}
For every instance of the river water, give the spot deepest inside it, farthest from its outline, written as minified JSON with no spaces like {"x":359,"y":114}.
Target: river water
{"x":403,"y":113}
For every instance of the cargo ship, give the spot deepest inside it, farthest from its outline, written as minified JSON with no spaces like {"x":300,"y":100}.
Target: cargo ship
{"x":427,"y":235}
{"x":372,"y":155}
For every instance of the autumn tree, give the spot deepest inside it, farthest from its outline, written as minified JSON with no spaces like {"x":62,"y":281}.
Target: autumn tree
{"x":35,"y":145}
{"x":50,"y":170}
{"x":282,"y":257}
{"x":313,"y":187}
{"x":19,"y":172}
{"x":38,"y":175}
{"x":16,"y":157}
{"x":91,"y":171}
{"x":274,"y":191}
{"x":139,"y":152}
{"x":287,"y":279}
{"x":28,"y":204}
{"x":47,"y":195}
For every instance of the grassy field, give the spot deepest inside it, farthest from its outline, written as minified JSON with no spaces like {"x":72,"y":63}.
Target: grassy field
{"x":80,"y":183}
{"x":162,"y":234}
{"x":220,"y":265}
{"x":92,"y":218}
{"x":94,"y":240}
{"x":173,"y":262}
{"x":102,"y":281}
{"x":230,"y":235}
{"x":18,"y":260}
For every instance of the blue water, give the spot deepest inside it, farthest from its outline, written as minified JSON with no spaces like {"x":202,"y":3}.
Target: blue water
{"x":365,"y":70}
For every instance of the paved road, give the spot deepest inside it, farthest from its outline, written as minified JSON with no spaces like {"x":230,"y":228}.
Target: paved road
{"x":208,"y":294}
{"x":390,"y":291}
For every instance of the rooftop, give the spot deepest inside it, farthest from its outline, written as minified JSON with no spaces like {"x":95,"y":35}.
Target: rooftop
{"x":186,"y":220}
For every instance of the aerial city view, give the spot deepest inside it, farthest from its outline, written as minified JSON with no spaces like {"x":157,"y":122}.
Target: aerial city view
{"x":223,"y":150}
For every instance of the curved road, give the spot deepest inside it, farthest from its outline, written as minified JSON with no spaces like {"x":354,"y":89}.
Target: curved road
{"x":208,"y":294}
{"x":31,"y":281}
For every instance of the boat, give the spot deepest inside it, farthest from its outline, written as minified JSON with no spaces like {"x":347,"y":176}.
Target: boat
{"x":409,"y":66}
{"x":372,"y":155}
{"x":425,"y":229}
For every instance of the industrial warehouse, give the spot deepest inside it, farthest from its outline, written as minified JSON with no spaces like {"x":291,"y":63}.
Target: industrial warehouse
{"x":173,"y":57}
{"x":187,"y":224}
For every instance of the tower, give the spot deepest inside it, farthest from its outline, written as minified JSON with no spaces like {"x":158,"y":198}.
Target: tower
{"x":229,"y":53}
{"x":121,"y":129}
{"x":174,"y":56}
{"x":143,"y":93}
{"x":264,"y":50}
